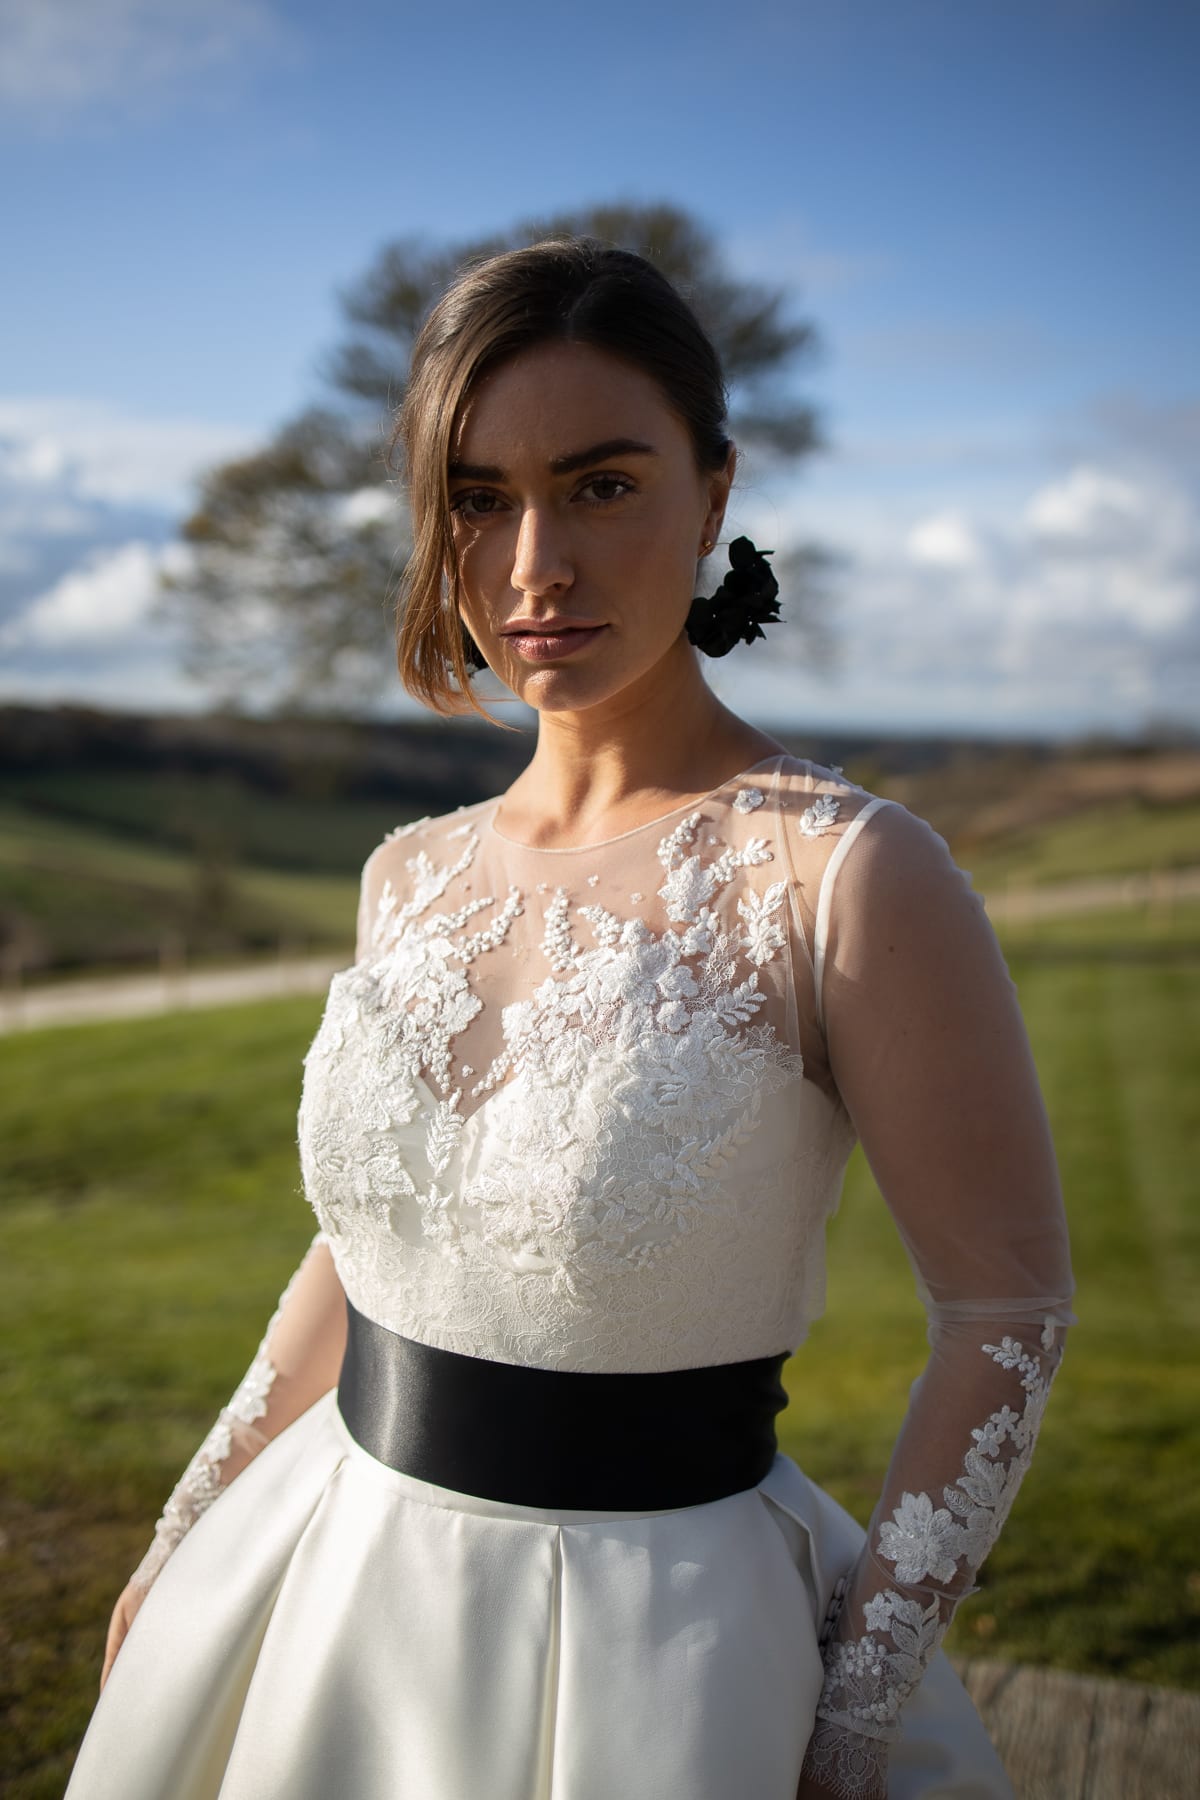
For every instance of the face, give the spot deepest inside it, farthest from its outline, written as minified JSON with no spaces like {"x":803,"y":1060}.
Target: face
{"x":576,"y":502}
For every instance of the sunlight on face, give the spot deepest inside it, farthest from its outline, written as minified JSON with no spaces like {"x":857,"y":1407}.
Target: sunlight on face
{"x":576,"y":499}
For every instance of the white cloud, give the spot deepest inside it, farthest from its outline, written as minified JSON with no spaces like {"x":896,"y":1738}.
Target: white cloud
{"x":945,"y":541}
{"x":111,"y":596}
{"x":1088,"y":505}
{"x":39,"y":459}
{"x":367,"y":506}
{"x":1074,"y":605}
{"x":1086,"y":608}
{"x":57,"y":56}
{"x":1117,"y":546}
{"x":93,"y":452}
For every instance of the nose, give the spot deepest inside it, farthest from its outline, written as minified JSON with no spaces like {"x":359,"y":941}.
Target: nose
{"x":541,"y":559}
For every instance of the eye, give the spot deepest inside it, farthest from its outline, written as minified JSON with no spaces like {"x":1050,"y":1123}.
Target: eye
{"x":621,"y":483}
{"x":477,"y":503}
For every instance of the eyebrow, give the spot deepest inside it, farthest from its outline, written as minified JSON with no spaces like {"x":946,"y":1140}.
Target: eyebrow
{"x":559,"y":465}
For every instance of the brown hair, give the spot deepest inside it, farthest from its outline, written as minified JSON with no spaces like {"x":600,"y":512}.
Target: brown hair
{"x":568,"y":290}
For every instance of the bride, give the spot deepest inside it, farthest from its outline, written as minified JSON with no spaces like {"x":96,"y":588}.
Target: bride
{"x":498,"y":1511}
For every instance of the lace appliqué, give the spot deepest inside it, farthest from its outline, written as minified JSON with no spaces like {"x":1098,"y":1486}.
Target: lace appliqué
{"x":201,"y":1482}
{"x":869,"y":1679}
{"x":747,"y":798}
{"x":817,"y":818}
{"x":766,"y":934}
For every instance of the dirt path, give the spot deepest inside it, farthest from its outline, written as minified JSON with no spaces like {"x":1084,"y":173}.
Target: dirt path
{"x":136,"y":996}
{"x":1159,"y":887}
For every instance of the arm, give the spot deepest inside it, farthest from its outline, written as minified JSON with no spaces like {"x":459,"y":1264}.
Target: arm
{"x":297,"y":1361}
{"x":929,"y":1051}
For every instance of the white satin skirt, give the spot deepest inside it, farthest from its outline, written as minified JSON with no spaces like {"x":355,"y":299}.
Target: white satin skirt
{"x":331,"y":1629}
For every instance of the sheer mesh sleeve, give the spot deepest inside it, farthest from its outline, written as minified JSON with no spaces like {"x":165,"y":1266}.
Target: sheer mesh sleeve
{"x":929,"y":1052}
{"x":297,"y":1361}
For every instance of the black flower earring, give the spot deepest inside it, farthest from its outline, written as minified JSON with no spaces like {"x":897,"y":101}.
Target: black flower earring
{"x":745,"y":601}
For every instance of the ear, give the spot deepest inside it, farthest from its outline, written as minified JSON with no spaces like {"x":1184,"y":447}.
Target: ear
{"x":719,"y":484}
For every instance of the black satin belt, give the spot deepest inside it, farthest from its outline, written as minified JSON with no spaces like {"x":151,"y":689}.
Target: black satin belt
{"x":559,"y":1438}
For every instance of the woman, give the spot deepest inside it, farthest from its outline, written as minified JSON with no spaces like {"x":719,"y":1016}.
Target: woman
{"x":508,"y":1519}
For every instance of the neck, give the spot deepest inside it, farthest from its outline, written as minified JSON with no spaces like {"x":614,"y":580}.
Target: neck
{"x":641,"y":752}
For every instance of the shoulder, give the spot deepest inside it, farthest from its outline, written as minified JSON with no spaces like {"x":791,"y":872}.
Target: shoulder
{"x":405,"y":841}
{"x":406,"y":853}
{"x":819,"y":799}
{"x":867,"y":844}
{"x":823,"y":813}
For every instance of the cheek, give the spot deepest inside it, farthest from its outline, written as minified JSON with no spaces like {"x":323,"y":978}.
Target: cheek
{"x":481,"y":563}
{"x":658,"y":560}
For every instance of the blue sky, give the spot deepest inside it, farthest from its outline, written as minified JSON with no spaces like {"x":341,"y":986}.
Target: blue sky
{"x":986,"y":209}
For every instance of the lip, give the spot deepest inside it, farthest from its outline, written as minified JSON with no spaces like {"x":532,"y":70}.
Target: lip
{"x":544,"y":645}
{"x":545,"y":627}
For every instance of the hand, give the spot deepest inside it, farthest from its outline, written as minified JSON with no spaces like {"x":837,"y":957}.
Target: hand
{"x":123,"y":1616}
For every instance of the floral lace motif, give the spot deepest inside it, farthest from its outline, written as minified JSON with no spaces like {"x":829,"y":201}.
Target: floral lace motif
{"x":627,"y":1119}
{"x":816,"y":819}
{"x":766,"y":935}
{"x":868,"y":1679}
{"x":202,"y":1480}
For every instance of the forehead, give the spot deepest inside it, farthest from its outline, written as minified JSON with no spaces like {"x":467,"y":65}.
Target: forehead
{"x":550,"y":400}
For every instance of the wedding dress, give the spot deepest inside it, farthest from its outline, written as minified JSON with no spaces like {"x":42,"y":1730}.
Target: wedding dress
{"x":589,"y":1110}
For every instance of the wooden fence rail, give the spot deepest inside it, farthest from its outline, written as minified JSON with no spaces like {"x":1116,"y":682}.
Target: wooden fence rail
{"x":1076,"y":1737}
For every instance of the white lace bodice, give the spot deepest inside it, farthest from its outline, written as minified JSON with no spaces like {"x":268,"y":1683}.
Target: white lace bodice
{"x":557,"y":1112}
{"x":591,"y":1108}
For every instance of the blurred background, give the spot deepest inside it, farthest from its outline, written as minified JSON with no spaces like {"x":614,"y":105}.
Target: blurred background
{"x":946,"y":252}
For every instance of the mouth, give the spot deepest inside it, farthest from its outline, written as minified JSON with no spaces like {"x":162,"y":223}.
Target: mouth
{"x":552,"y":646}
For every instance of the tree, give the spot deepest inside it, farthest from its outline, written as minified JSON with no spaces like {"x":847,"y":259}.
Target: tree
{"x":295,"y":552}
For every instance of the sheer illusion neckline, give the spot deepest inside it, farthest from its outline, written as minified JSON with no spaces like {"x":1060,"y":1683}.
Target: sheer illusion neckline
{"x":602,"y":843}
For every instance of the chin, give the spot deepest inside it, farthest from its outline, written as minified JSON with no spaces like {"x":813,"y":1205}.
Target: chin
{"x":565,"y":696}
{"x":570,"y":688}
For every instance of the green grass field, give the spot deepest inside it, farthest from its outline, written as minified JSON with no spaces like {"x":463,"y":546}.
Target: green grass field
{"x":168,"y":810}
{"x":92,"y":899}
{"x":150,"y":1211}
{"x":1121,"y":837}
